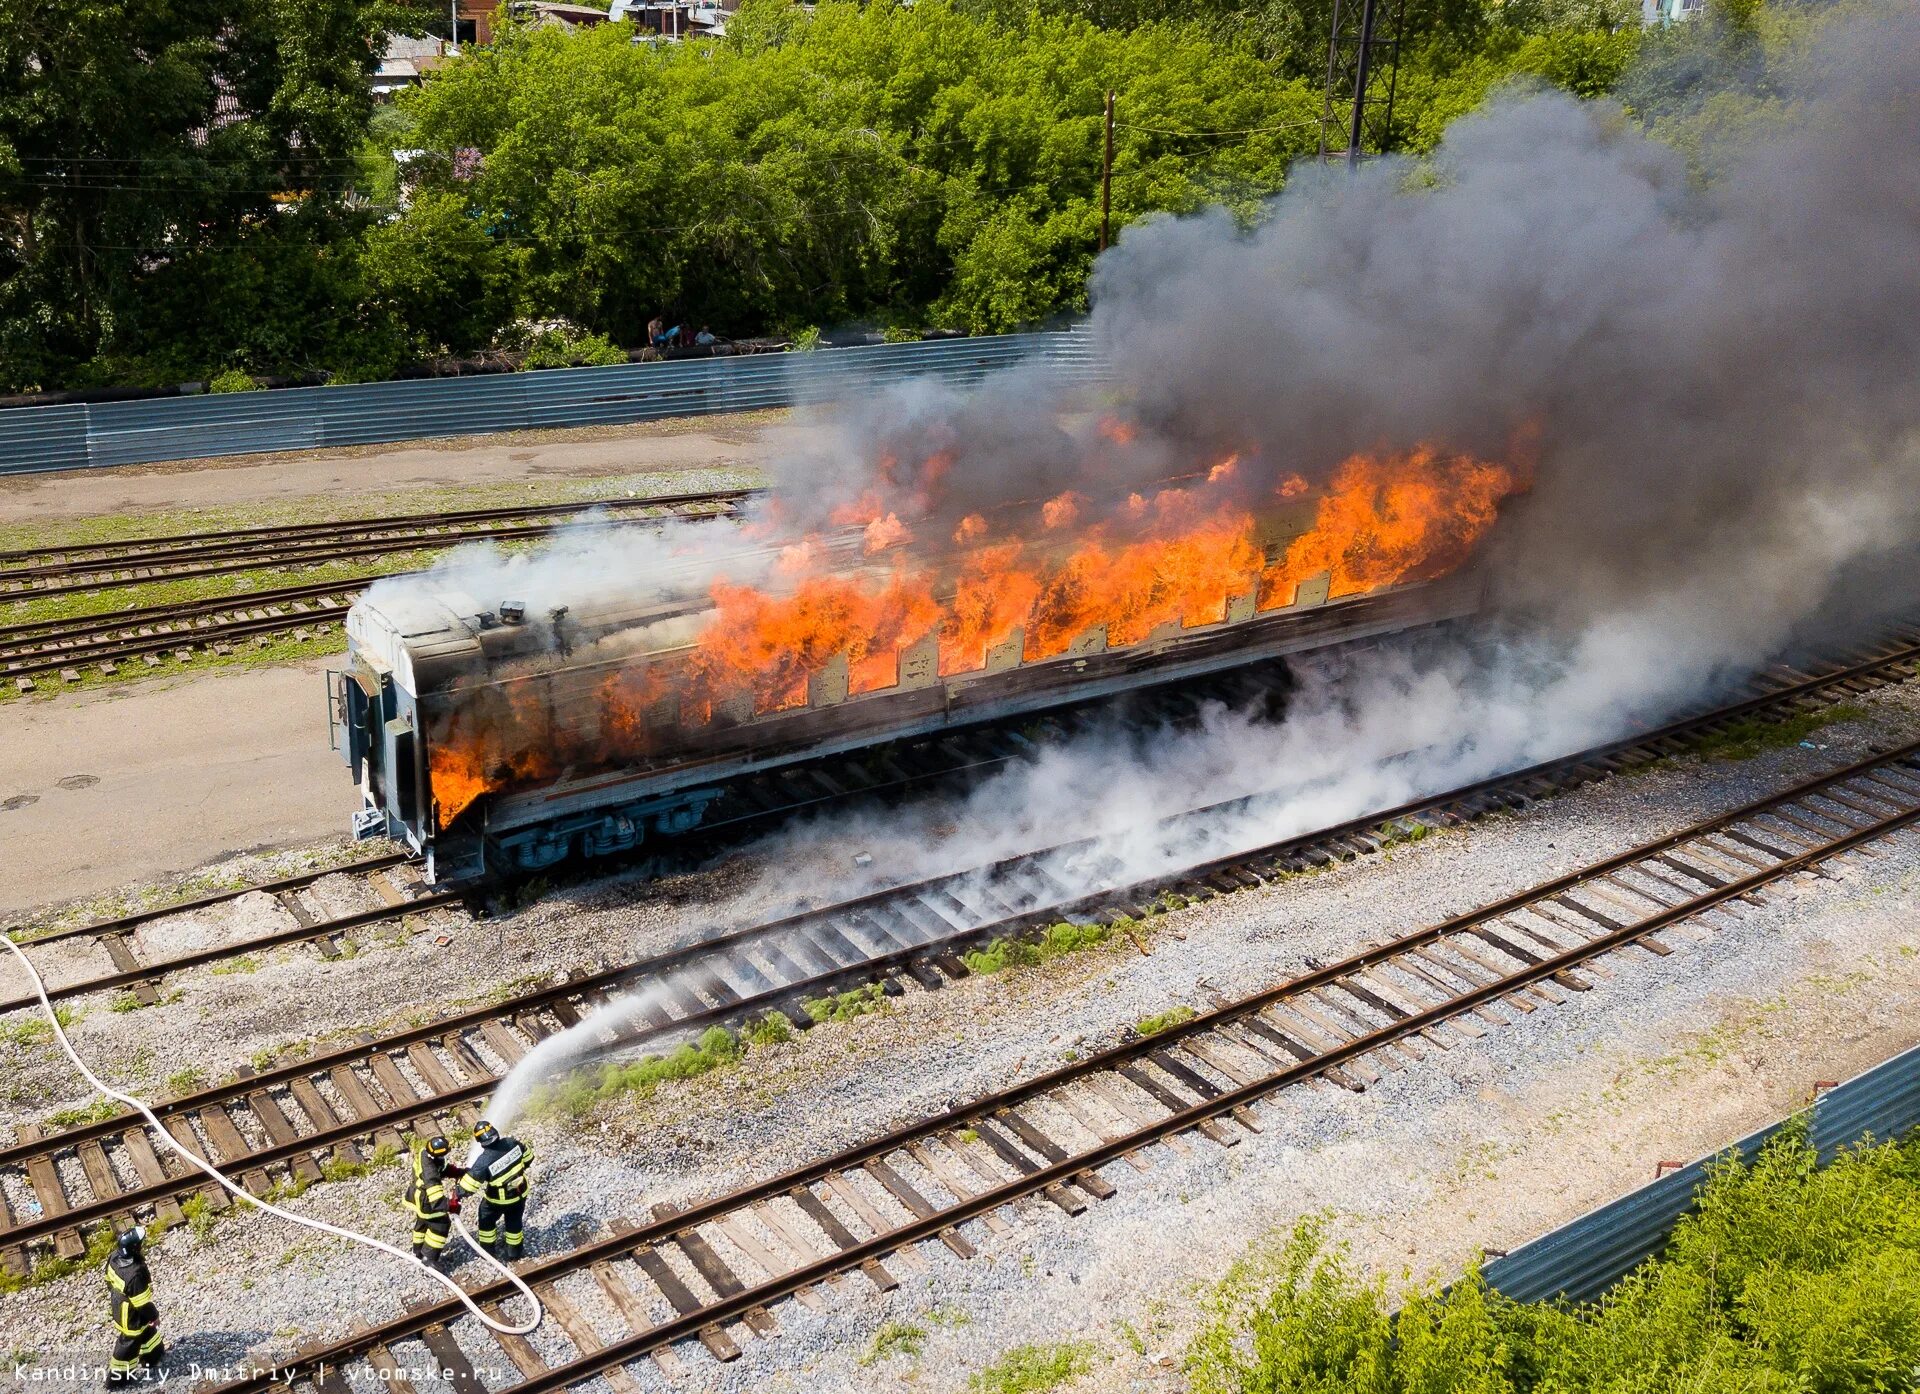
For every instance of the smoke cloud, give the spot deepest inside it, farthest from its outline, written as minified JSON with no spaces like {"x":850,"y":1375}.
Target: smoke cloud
{"x":1713,"y":384}
{"x":1717,"y":383}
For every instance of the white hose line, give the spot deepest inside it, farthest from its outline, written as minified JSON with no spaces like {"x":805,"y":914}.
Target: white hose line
{"x":163,"y":1136}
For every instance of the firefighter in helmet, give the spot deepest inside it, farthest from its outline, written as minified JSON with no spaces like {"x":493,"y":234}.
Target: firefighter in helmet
{"x":432,"y":1199}
{"x":497,"y":1173}
{"x":137,"y":1347}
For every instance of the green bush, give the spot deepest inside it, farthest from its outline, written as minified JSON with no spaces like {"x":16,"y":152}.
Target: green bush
{"x":1790,"y":1276}
{"x":566,"y":348}
{"x":233,"y":380}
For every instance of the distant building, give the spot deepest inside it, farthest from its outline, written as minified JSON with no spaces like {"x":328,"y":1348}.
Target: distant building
{"x":1666,"y":11}
{"x":673,"y":19}
{"x":550,"y":14}
{"x":404,"y":62}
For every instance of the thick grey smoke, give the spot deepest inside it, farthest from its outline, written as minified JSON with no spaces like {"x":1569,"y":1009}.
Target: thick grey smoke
{"x":1716,"y":387}
{"x":1719,"y":383}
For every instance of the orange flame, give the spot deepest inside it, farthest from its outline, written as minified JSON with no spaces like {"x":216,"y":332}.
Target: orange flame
{"x":885,"y":532}
{"x":1073,"y":578}
{"x":1060,"y":512}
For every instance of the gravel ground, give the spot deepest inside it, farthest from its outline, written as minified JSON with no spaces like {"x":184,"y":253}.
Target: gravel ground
{"x":1670,"y":1058}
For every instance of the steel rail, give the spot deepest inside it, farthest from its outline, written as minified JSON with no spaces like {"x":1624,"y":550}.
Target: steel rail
{"x":1297,"y":845}
{"x":291,"y":558}
{"x":112,"y":651}
{"x":393,"y":522}
{"x":1219,"y":1105}
{"x":122,"y":923}
{"x":77,"y":626}
{"x":200,"y":957}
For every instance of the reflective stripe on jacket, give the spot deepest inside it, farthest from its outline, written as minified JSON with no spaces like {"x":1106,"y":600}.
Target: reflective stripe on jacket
{"x":427,"y":1191}
{"x":130,"y":1296}
{"x":499,"y":1173}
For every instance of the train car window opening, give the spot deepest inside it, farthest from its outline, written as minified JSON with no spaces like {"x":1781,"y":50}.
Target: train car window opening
{"x":406,"y":780}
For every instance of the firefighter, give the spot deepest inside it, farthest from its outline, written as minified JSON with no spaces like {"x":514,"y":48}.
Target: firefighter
{"x":432,"y":1199}
{"x":497,"y":1173}
{"x":137,"y":1347}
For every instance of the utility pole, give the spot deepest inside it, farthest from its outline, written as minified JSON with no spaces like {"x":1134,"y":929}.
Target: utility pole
{"x":1356,"y":118}
{"x":1106,"y":181}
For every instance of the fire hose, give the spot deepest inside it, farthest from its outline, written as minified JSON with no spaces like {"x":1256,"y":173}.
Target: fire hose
{"x":166,"y":1138}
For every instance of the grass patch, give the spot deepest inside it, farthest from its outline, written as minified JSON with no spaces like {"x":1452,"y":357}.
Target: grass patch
{"x":895,"y":1338}
{"x":845,"y":1006}
{"x":32,"y":1030}
{"x":1058,"y":940}
{"x":771,"y":1029}
{"x":1033,"y":1368}
{"x":1745,"y":739}
{"x":576,"y":1096}
{"x":186,"y":1081}
{"x":99,"y":1111}
{"x":1789,"y":1275}
{"x":1162,"y":1021}
{"x":52,"y":1270}
{"x":245,"y":963}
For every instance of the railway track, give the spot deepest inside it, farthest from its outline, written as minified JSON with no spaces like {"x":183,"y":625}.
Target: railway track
{"x":282,"y":1122}
{"x":970,"y":755}
{"x":714,"y":1271}
{"x":46,"y":571}
{"x":33,"y":649}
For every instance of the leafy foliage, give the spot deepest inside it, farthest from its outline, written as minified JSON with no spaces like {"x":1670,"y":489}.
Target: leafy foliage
{"x":151,"y":152}
{"x":1789,"y":1277}
{"x":1031,"y":1369}
{"x":185,"y":191}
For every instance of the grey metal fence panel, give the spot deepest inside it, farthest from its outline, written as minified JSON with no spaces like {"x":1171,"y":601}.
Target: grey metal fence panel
{"x":375,"y":412}
{"x":119,"y":433}
{"x":53,"y":438}
{"x":126,"y":433}
{"x":1585,"y":1257}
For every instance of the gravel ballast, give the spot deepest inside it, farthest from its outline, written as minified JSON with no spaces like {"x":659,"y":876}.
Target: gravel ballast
{"x":1482,"y":1145}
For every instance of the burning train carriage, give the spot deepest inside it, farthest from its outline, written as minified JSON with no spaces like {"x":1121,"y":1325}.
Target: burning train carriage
{"x":490,"y":739}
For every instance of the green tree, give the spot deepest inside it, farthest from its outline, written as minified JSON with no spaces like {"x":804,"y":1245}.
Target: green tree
{"x":140,"y":135}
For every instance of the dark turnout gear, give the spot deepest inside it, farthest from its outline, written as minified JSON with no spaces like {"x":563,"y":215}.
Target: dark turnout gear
{"x":430,"y":1199}
{"x":497,"y":1173}
{"x":137,"y":1347}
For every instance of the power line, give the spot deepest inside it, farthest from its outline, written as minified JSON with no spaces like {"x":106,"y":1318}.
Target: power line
{"x":1243,"y":131}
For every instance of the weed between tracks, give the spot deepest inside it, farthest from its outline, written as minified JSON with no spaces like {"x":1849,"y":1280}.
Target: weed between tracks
{"x":577,"y":1095}
{"x":1032,"y":1369}
{"x":1163,"y":1021}
{"x":1746,"y":739}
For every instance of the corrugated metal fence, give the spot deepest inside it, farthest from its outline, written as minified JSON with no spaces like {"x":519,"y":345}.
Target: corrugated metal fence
{"x":1582,"y":1259}
{"x":179,"y":428}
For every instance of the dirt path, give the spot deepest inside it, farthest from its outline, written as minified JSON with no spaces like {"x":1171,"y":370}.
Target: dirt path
{"x":690,"y":444}
{"x":135,"y":783}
